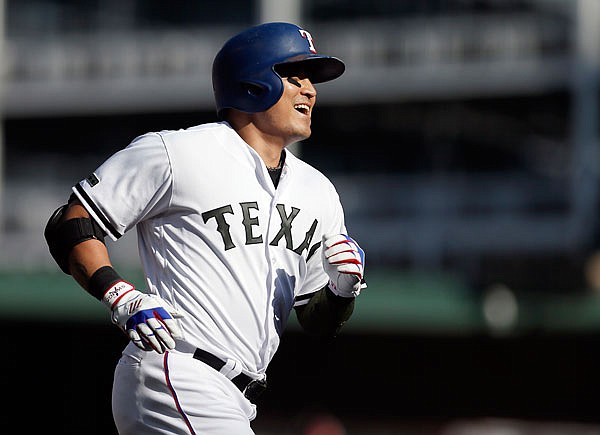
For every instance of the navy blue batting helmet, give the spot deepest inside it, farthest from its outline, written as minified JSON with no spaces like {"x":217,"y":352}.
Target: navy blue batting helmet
{"x":247,"y":70}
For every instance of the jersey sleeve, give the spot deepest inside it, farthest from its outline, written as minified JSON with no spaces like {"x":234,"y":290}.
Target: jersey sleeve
{"x":332,"y":223}
{"x":132,"y":184}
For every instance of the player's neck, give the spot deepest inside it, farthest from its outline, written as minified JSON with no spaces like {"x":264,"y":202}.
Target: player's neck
{"x":271,"y":155}
{"x":268,"y":147}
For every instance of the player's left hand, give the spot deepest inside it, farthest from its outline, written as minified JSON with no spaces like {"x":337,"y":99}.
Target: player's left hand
{"x":344,"y":262}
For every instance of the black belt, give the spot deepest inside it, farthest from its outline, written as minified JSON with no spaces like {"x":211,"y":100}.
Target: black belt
{"x":252,"y":388}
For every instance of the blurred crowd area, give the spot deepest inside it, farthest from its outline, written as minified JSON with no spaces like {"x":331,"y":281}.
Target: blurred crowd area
{"x":463,"y":140}
{"x":463,"y":137}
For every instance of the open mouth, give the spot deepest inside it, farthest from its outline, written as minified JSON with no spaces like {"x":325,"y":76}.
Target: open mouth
{"x":302,"y":108}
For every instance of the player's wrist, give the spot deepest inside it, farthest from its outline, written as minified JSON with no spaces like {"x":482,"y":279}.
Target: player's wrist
{"x":108,"y":287}
{"x":118,"y":293}
{"x":344,"y":291}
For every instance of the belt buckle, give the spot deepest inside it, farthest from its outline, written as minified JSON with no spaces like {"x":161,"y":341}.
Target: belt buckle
{"x":254,"y":389}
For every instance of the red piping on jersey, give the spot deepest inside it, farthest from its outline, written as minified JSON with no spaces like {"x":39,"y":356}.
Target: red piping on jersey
{"x":174,"y":394}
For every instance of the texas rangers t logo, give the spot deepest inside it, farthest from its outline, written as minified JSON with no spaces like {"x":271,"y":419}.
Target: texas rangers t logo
{"x":308,"y":37}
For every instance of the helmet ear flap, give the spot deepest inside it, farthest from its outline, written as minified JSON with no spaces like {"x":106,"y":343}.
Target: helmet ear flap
{"x":253,"y":89}
{"x":259,"y":95}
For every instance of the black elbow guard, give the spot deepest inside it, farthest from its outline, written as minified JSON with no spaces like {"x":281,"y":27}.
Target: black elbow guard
{"x":61,"y":236}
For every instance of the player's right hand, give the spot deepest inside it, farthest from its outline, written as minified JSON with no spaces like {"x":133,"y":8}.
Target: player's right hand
{"x":147,"y":319}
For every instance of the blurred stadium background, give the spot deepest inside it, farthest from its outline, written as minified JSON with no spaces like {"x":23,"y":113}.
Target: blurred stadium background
{"x":464,"y":140}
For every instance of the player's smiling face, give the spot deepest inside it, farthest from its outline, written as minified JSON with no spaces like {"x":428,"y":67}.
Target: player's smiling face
{"x":289,"y":118}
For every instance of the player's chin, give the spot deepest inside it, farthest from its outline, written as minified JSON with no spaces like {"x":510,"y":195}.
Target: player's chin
{"x":304,"y":131}
{"x":299,"y":134}
{"x":299,"y":138}
{"x":306,"y":134}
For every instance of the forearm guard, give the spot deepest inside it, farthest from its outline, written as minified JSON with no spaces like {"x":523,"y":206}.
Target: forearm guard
{"x":325,"y":313}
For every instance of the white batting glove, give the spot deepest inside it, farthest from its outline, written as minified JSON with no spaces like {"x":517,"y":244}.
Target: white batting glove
{"x":147,"y":319}
{"x":344,"y":263}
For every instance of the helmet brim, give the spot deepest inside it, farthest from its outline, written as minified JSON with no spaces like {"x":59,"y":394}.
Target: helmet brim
{"x":317,"y":68}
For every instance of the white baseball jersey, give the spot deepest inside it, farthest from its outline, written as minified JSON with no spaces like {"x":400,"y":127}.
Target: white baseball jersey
{"x":216,"y":239}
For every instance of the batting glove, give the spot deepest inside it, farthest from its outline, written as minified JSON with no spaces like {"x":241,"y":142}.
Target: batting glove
{"x":148,"y":320}
{"x":344,"y":262}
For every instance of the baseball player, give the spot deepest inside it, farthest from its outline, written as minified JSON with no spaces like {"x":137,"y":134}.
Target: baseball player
{"x":233,"y":232}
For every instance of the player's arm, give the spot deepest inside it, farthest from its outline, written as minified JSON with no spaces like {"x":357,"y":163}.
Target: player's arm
{"x":76,"y":243}
{"x":87,"y":256}
{"x":329,"y":308}
{"x":325,"y":313}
